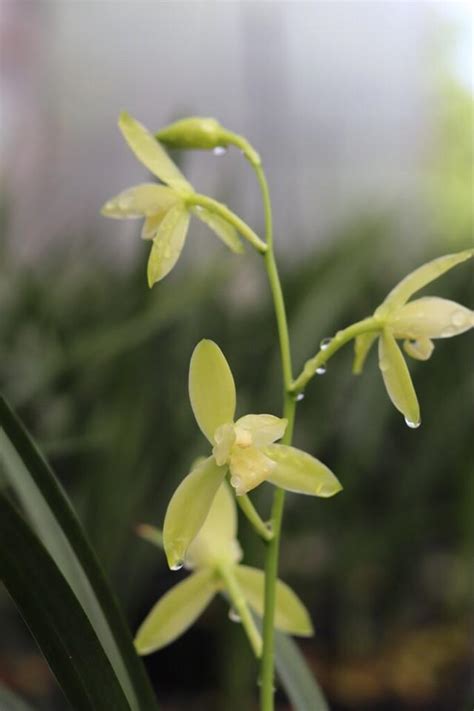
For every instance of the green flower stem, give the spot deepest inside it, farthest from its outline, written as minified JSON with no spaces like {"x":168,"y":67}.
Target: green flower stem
{"x":253,"y":516}
{"x":239,"y":604}
{"x":289,"y":409}
{"x":339,"y":340}
{"x":223,"y":211}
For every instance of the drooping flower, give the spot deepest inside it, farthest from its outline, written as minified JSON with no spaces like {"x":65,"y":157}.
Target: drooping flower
{"x":164,"y":207}
{"x":417,"y":323}
{"x":214,"y":559}
{"x":245,"y":448}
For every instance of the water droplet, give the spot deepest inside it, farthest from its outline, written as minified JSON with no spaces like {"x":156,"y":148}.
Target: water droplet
{"x":321,"y":370}
{"x":325,"y":343}
{"x":411,"y":424}
{"x":219,"y":150}
{"x":384,"y":365}
{"x":299,"y":397}
{"x":178,"y":565}
{"x":459,"y":318}
{"x":234,"y":615}
{"x":235,"y":481}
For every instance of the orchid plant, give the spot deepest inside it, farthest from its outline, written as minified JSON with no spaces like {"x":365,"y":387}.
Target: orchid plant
{"x":200,"y":525}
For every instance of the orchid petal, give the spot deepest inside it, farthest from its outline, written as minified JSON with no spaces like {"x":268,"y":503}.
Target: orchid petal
{"x":248,"y":468}
{"x":216,"y":541}
{"x":224,"y":439}
{"x":189,"y":508}
{"x":211,"y":388}
{"x":298,"y":471}
{"x":264,"y":429}
{"x":223,"y":229}
{"x":362,"y":346}
{"x":168,"y":244}
{"x":290,"y":614}
{"x":420,"y":349}
{"x":149,"y":152}
{"x":397,"y":378}
{"x":141,"y":200}
{"x":431,"y":317}
{"x":419,"y":278}
{"x":176,"y":611}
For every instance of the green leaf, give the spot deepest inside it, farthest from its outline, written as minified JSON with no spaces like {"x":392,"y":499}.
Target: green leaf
{"x":296,"y":677}
{"x":300,"y":472}
{"x":397,"y":379}
{"x":142,"y":200}
{"x":152,"y":155}
{"x":49,"y":512}
{"x":188,"y":509}
{"x":176,"y":611}
{"x":223,"y":229}
{"x":211,"y":388}
{"x":419,"y":278}
{"x":431,"y":317}
{"x":56,"y":618}
{"x":167,"y":244}
{"x":290,"y":613}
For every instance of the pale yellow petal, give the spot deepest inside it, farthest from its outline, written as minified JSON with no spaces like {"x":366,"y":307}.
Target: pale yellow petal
{"x":290,"y":614}
{"x":149,"y":152}
{"x":140,"y":201}
{"x":151,"y":225}
{"x":211,"y":388}
{"x":189,"y":508}
{"x":176,"y":612}
{"x":248,"y":468}
{"x":397,"y":379}
{"x":430,"y":317}
{"x":362,"y":346}
{"x":167,"y":244}
{"x":216,"y":541}
{"x":264,"y":429}
{"x":298,"y":471}
{"x":223,"y":229}
{"x":420,"y":349}
{"x":419,"y":278}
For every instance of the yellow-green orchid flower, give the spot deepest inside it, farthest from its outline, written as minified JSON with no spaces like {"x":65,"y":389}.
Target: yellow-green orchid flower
{"x":245,"y":448}
{"x":416,"y":323}
{"x":214,"y":557}
{"x":164,"y":207}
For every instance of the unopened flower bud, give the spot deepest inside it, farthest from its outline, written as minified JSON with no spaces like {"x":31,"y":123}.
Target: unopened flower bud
{"x":194,"y":132}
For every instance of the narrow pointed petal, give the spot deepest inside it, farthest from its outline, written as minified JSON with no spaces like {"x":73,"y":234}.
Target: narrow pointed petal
{"x":176,"y":612}
{"x":224,"y":439}
{"x":421,"y":349}
{"x":419,"y":278}
{"x":168,"y":244}
{"x":211,"y":388}
{"x":189,"y":508}
{"x":225,"y":231}
{"x":140,"y":201}
{"x":301,"y":473}
{"x":362,"y":346}
{"x":397,"y":379}
{"x":264,"y":429}
{"x":290,"y":614}
{"x":149,"y":152}
{"x":248,"y":468}
{"x":216,"y":541}
{"x":431,"y":317}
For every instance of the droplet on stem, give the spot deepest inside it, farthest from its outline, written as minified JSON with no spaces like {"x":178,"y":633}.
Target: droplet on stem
{"x":219,"y":150}
{"x":411,"y":424}
{"x":320,"y":370}
{"x":234,"y":615}
{"x":325,"y":343}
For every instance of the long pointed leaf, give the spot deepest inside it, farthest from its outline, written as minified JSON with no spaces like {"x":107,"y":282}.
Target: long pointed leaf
{"x":49,"y":511}
{"x":296,"y":677}
{"x":55,"y":617}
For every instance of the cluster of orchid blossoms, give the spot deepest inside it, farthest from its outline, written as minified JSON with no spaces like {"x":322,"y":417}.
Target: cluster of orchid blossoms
{"x":200,"y":523}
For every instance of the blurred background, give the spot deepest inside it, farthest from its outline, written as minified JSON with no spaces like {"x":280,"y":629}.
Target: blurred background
{"x":363,"y":114}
